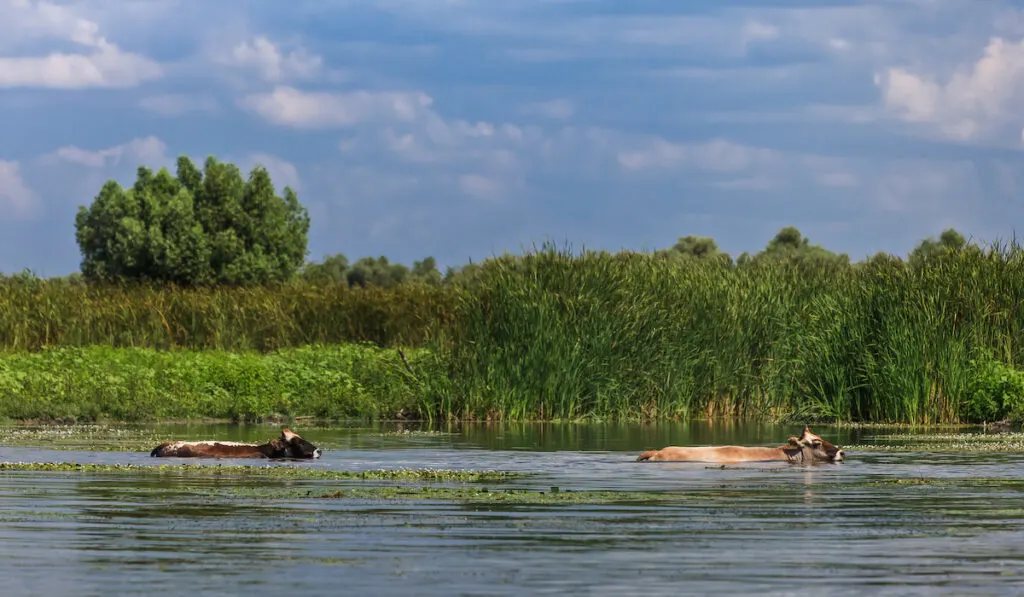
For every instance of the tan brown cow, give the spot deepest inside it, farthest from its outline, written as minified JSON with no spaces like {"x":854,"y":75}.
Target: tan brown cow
{"x":289,"y":445}
{"x":806,"y":449}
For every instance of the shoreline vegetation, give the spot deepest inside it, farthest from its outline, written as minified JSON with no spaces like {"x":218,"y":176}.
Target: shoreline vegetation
{"x":549,"y":335}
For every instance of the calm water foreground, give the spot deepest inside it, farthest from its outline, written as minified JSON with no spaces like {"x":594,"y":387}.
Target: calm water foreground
{"x":897,"y":522}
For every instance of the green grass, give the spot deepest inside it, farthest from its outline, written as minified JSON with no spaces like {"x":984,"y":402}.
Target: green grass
{"x":102,"y":383}
{"x":548,"y":336}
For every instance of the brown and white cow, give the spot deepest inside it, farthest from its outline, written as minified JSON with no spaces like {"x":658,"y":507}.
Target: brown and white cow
{"x":806,"y":449}
{"x":289,"y":445}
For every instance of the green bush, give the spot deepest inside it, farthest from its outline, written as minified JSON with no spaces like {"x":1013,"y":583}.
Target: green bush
{"x":996,"y":392}
{"x":335,"y":382}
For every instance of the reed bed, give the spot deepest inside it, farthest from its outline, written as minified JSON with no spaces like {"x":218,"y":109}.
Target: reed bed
{"x":36,"y":313}
{"x":559,"y":336}
{"x":554,"y":335}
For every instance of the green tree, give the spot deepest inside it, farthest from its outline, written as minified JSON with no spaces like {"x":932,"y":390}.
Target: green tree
{"x":931,"y":250}
{"x":333,"y":269}
{"x":376,"y":271}
{"x":463,"y":273}
{"x":789,"y":245}
{"x":426,"y":271}
{"x":194,"y":228}
{"x":695,"y":247}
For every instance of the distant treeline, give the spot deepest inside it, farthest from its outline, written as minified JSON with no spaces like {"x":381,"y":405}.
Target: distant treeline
{"x":215,"y":227}
{"x":789,"y":245}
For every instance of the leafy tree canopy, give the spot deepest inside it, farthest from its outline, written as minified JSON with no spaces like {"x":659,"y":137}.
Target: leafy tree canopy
{"x":371,"y":271}
{"x":791,"y":246}
{"x":195,"y":228}
{"x":695,"y":247}
{"x":333,"y":269}
{"x":931,"y":250}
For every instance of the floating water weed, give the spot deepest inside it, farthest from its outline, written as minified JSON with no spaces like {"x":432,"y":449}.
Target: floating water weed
{"x":274,"y":471}
{"x":509,"y":496}
{"x":944,"y":442}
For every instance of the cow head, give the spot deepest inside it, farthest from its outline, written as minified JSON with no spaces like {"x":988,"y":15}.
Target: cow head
{"x":814,"y":449}
{"x":290,"y":445}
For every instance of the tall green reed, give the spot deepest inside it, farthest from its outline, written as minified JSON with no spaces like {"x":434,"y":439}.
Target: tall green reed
{"x":557,"y":335}
{"x":38,"y":313}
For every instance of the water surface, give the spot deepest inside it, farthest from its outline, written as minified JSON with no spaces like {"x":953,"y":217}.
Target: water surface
{"x":858,"y":528}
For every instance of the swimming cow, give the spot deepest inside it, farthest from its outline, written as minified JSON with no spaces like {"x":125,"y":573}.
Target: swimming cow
{"x":289,"y":445}
{"x":806,"y":449}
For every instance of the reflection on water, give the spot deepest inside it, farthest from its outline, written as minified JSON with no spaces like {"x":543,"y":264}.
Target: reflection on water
{"x":772,"y":529}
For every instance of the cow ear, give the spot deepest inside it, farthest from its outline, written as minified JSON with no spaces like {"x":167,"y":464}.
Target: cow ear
{"x":793,"y":441}
{"x":287,"y":435}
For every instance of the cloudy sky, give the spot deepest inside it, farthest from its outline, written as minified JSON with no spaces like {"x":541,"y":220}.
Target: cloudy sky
{"x":462,"y":128}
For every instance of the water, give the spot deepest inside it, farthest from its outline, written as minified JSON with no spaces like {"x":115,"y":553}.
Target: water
{"x":771,"y":529}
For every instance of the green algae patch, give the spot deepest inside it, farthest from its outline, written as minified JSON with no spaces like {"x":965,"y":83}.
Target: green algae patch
{"x":465,"y":494}
{"x":416,"y":433}
{"x":275,"y":472}
{"x":967,"y":482}
{"x":508,"y":496}
{"x":406,"y":488}
{"x":90,"y":437}
{"x":943,"y":442}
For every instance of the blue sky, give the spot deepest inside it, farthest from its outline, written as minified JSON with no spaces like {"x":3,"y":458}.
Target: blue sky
{"x":464,"y":128}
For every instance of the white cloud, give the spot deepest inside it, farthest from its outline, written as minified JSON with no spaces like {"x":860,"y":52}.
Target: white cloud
{"x":103,"y":65}
{"x":556,"y":109}
{"x":837,"y":179}
{"x":838,"y":44}
{"x":435,"y":140}
{"x":757,"y":31}
{"x":17,"y":201}
{"x":914,"y":187}
{"x":727,"y":36}
{"x":31,"y":19}
{"x":725,"y":164}
{"x":271,"y":63}
{"x":480,"y":186}
{"x":175,"y":104}
{"x":288,"y":106}
{"x":717,"y":155}
{"x":933,"y":188}
{"x":145,"y":151}
{"x":983,"y":100}
{"x":497,"y":157}
{"x":106,"y":67}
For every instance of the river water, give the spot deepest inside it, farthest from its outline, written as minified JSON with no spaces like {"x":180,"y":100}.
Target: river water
{"x":956,"y":528}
